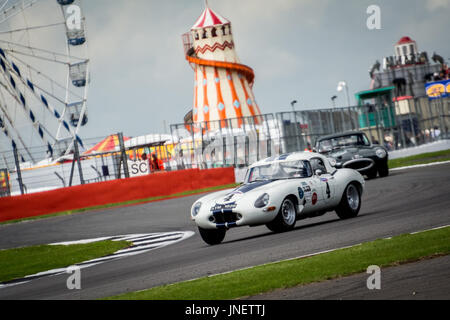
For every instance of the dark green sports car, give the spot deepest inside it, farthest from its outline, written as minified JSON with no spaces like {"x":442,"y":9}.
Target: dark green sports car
{"x":354,"y":150}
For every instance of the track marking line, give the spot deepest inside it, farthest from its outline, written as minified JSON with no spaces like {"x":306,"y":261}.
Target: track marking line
{"x":437,"y":228}
{"x":141,"y":243}
{"x":420,"y":166}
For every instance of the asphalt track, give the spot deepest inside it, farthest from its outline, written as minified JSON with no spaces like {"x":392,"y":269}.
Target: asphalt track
{"x":407,"y":201}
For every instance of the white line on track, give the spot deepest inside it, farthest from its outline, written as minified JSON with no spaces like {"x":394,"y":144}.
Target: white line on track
{"x":141,"y":243}
{"x":420,"y":166}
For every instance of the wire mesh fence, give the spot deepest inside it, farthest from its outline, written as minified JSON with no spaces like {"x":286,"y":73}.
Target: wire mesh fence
{"x":235,"y":142}
{"x":402,"y":124}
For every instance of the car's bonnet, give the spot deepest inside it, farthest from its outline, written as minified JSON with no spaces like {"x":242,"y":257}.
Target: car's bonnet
{"x":247,"y":190}
{"x":350,"y":152}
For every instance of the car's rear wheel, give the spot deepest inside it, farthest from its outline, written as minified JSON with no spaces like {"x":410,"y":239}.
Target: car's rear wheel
{"x":351,"y":202}
{"x":286,"y":218}
{"x":212,"y":237}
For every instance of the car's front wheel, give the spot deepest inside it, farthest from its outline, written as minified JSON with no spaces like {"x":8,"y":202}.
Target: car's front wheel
{"x":212,"y":237}
{"x":286,"y":218}
{"x":351,"y":202}
{"x":372,"y":174}
{"x":383,"y":170}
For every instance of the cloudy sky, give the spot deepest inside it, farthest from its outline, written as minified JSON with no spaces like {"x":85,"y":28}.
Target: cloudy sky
{"x":299,"y":49}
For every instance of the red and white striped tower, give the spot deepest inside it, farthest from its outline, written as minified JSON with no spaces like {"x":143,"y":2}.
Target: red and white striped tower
{"x":223,"y":86}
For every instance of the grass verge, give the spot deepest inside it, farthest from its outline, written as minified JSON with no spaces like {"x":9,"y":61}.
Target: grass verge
{"x":22,"y":262}
{"x":424,"y":158}
{"x":286,"y":274}
{"x":120,"y":204}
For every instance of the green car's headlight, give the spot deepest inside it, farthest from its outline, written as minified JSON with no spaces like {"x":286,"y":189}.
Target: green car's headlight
{"x":262,"y":201}
{"x":381,"y":153}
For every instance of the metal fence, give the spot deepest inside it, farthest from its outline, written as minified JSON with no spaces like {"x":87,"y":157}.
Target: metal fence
{"x":402,"y":124}
{"x":302,"y":128}
{"x":235,"y":142}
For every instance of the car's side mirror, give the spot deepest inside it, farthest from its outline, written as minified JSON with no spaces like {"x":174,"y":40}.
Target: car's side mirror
{"x":319,"y":172}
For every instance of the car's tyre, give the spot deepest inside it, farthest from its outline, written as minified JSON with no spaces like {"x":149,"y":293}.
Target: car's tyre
{"x":372,"y":174}
{"x":212,"y":237}
{"x":383,"y":170}
{"x":351,"y":202}
{"x":286,"y":218}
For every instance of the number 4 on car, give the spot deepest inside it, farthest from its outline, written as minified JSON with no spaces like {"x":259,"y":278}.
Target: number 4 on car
{"x":279,"y":191}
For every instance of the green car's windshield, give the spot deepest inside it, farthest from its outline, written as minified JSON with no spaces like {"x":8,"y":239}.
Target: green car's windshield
{"x":357,"y":140}
{"x":279,"y":170}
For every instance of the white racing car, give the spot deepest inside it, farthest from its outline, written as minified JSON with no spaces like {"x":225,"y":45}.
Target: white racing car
{"x":279,"y":191}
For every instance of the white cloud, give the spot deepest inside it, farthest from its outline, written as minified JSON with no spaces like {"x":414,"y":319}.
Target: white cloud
{"x":433,"y":5}
{"x":306,"y":12}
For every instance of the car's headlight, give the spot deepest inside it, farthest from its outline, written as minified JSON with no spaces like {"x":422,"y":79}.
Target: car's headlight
{"x":262,"y":201}
{"x":196,"y":209}
{"x":381,"y":153}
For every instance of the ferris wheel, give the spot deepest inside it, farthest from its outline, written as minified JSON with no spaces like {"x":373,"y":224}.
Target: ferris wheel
{"x":44,"y":77}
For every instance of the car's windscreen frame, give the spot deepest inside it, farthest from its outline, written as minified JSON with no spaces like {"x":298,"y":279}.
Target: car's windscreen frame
{"x":361,"y":140}
{"x":280,"y":170}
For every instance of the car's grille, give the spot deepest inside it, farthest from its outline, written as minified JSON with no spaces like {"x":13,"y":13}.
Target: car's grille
{"x":225,"y":218}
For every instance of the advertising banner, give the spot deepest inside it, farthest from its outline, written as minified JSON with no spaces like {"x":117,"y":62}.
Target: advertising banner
{"x":438,"y":89}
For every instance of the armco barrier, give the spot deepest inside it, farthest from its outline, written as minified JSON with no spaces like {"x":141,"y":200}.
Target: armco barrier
{"x":116,"y":191}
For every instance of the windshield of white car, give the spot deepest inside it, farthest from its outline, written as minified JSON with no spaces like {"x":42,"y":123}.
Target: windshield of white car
{"x":279,"y":170}
{"x":355,"y":140}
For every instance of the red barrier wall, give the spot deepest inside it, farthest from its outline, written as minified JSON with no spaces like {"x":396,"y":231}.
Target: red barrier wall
{"x":116,"y":191}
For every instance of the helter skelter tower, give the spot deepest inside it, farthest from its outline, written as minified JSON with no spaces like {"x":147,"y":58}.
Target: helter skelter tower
{"x":223,"y":93}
